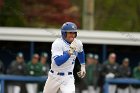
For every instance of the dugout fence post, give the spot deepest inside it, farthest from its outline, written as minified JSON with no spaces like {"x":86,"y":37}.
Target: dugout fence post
{"x":2,"y":85}
{"x":31,"y":49}
{"x":106,"y":86}
{"x":104,"y":52}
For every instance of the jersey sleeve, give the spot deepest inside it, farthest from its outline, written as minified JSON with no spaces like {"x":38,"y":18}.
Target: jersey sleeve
{"x":58,"y":54}
{"x":81,"y":54}
{"x":81,"y":57}
{"x":80,"y":46}
{"x":56,"y":49}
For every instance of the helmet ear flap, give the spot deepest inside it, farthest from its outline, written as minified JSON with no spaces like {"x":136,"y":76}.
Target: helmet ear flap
{"x":64,"y":34}
{"x":75,"y":34}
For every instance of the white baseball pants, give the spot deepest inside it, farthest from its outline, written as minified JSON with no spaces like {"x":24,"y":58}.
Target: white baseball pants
{"x":56,"y":83}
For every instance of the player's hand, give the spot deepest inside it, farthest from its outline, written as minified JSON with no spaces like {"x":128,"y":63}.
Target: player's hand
{"x":82,"y":73}
{"x":73,"y":47}
{"x":110,"y":75}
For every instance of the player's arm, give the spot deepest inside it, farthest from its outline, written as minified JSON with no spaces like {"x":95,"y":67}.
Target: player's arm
{"x":81,"y":58}
{"x":81,"y":54}
{"x":59,"y":60}
{"x":66,"y":55}
{"x":59,"y":56}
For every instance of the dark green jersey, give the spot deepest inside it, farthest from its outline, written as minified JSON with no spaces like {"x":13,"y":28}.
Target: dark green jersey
{"x":45,"y":69}
{"x":34,"y":69}
{"x":136,"y":72}
{"x":93,"y":74}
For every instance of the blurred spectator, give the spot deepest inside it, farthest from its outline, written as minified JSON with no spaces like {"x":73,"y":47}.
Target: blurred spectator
{"x":34,"y":68}
{"x":93,"y":73}
{"x":124,"y":72}
{"x":89,"y":74}
{"x":45,"y":68}
{"x":136,"y":74}
{"x":1,"y":67}
{"x":45,"y":65}
{"x":17,"y":67}
{"x":111,"y":70}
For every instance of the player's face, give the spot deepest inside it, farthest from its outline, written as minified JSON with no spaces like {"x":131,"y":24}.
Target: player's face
{"x":89,"y":61}
{"x":70,"y":36}
{"x":126,"y":63}
{"x":43,"y":60}
{"x":112,"y":59}
{"x":95,"y":61}
{"x":19,"y":59}
{"x":35,"y":60}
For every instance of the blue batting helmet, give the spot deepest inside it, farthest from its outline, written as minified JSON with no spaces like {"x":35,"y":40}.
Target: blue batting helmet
{"x":68,"y":27}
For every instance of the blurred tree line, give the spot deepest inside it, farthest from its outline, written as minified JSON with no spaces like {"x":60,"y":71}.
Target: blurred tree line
{"x":38,"y":13}
{"x":118,"y":15}
{"x":11,"y":13}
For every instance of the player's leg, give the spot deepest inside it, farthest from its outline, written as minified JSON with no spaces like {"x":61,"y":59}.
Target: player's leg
{"x":52,"y":85}
{"x":10,"y":89}
{"x":138,"y":90}
{"x":120,"y":90}
{"x":30,"y":88}
{"x":98,"y":89}
{"x":126,"y":90}
{"x":91,"y":89}
{"x":112,"y":88}
{"x":35,"y":86}
{"x":68,"y":85}
{"x":16,"y":89}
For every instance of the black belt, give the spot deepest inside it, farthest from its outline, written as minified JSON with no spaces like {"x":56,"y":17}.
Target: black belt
{"x":61,"y":73}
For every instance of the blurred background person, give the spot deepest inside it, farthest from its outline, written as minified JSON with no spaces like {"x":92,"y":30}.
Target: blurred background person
{"x":89,"y":70}
{"x":17,"y":67}
{"x":45,"y":63}
{"x":34,"y":68}
{"x":1,"y":67}
{"x":94,"y":69}
{"x":111,"y":70}
{"x":124,"y":72}
{"x":136,"y":74}
{"x":45,"y":68}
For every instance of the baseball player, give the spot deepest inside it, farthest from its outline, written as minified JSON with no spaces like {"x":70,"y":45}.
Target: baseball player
{"x":64,"y":52}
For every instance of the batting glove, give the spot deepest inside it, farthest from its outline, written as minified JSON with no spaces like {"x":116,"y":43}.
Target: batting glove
{"x":73,"y":47}
{"x":82,"y":73}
